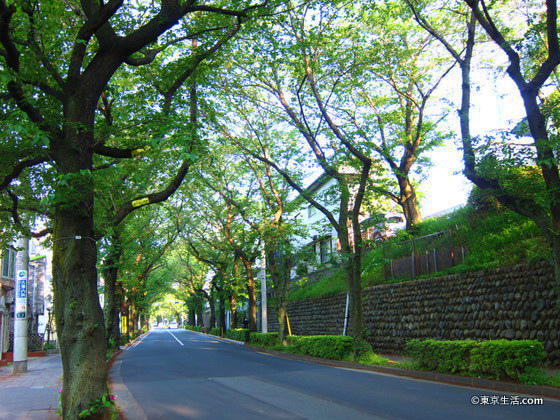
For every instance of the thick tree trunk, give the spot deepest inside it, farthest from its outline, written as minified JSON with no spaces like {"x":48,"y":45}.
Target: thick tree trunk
{"x":79,"y":317}
{"x":252,"y":292}
{"x":409,"y":203}
{"x":233,"y":308}
{"x":190,"y":317}
{"x":212,"y":305}
{"x":280,"y":277}
{"x":352,"y":270}
{"x":112,"y":298}
{"x":199,"y":321}
{"x":132,"y":322}
{"x":145,"y":323}
{"x":281,"y":316}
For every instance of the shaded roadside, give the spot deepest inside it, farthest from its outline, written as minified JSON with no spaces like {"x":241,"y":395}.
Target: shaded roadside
{"x":32,"y":395}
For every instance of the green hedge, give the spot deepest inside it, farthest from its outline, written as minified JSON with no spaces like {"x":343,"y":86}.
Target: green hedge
{"x":495,"y":359}
{"x":325,"y":346}
{"x":215,"y":331}
{"x":193,"y":328}
{"x":238,"y":334}
{"x":500,"y":358}
{"x":263,"y":339}
{"x":442,"y":356}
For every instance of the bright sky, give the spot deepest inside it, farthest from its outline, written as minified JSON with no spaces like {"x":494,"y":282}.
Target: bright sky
{"x":496,"y":105}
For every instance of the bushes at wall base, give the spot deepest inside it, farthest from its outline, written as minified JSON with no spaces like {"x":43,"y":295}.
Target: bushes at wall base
{"x":441,"y":356}
{"x":238,"y":334}
{"x":495,"y":359}
{"x":215,"y":331}
{"x":193,"y":328}
{"x":263,"y":339}
{"x":325,"y":346}
{"x":502,"y":358}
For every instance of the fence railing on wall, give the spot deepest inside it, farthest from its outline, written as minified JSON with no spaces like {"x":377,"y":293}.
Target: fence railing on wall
{"x":420,"y":256}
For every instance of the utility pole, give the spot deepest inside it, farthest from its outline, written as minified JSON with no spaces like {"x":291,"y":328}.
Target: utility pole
{"x":264,"y":309}
{"x":20,"y":324}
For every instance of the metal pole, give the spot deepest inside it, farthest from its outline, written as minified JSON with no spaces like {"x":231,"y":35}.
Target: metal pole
{"x":20,"y":324}
{"x":346,"y":314}
{"x":264,"y":309}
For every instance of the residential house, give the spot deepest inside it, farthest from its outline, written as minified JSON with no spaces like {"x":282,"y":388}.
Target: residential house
{"x":7,"y":286}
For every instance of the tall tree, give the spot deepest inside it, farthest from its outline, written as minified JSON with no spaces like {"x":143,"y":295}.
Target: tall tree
{"x":55,"y":80}
{"x":531,"y":64}
{"x":313,"y":82}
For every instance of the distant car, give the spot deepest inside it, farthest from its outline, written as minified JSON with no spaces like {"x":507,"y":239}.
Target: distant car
{"x":173,"y":324}
{"x":383,"y":225}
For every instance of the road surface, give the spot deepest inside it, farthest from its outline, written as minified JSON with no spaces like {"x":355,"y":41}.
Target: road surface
{"x":177,"y":374}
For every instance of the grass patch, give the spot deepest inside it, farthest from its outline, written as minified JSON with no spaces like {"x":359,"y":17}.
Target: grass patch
{"x":335,"y":283}
{"x":492,"y":239}
{"x":537,"y":376}
{"x":370,"y":358}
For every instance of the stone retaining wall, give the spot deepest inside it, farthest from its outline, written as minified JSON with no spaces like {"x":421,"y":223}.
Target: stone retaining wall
{"x":514,"y":303}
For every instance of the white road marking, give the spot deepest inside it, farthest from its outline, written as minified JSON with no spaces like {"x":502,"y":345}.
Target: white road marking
{"x":179,"y":341}
{"x":139,"y":341}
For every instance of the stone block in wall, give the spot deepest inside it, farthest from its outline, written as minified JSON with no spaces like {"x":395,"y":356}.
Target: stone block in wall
{"x":510,"y":302}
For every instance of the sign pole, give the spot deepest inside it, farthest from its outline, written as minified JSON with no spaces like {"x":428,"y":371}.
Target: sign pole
{"x":264,"y":308}
{"x":20,"y":324}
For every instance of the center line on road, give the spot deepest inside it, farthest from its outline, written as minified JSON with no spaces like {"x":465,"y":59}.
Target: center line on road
{"x":179,"y":341}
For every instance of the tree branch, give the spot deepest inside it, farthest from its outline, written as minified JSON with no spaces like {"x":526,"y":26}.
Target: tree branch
{"x":19,"y":167}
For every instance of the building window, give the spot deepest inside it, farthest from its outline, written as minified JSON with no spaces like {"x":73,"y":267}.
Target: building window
{"x":311,"y":211}
{"x":325,"y":250}
{"x":9,"y":263}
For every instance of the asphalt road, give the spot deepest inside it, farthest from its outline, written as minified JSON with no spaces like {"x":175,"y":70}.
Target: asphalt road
{"x":178,"y":374}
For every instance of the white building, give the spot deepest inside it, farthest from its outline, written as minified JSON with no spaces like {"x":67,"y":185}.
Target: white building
{"x":7,"y":286}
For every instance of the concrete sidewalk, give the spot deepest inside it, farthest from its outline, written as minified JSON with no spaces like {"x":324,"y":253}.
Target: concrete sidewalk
{"x":32,"y":395}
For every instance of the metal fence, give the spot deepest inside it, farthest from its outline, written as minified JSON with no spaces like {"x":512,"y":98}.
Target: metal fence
{"x":420,"y":256}
{"x":34,"y":342}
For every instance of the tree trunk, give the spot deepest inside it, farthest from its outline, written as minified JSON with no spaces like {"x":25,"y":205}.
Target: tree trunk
{"x":233,"y":308}
{"x":112,"y":297}
{"x":212,"y":305}
{"x":409,"y":203}
{"x":280,"y":278}
{"x":281,"y":316}
{"x":191,"y":318}
{"x":199,"y":320}
{"x":125,"y":313}
{"x":79,"y":317}
{"x":145,"y":323}
{"x":132,"y":322}
{"x":252,"y":292}
{"x":352,"y":270}
{"x":222,"y":314}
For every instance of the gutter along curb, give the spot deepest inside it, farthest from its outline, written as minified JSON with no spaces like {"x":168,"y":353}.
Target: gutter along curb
{"x":499,"y":386}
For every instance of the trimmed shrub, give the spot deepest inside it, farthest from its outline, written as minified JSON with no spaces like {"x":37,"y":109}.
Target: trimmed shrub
{"x":325,"y":346}
{"x":238,"y":334}
{"x":263,"y":339}
{"x":495,"y":358}
{"x":215,"y":331}
{"x":193,"y":328}
{"x":442,"y":356}
{"x":499,"y":358}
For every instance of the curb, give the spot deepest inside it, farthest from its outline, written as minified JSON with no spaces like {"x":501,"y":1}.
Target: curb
{"x":541,"y":391}
{"x":227,"y":340}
